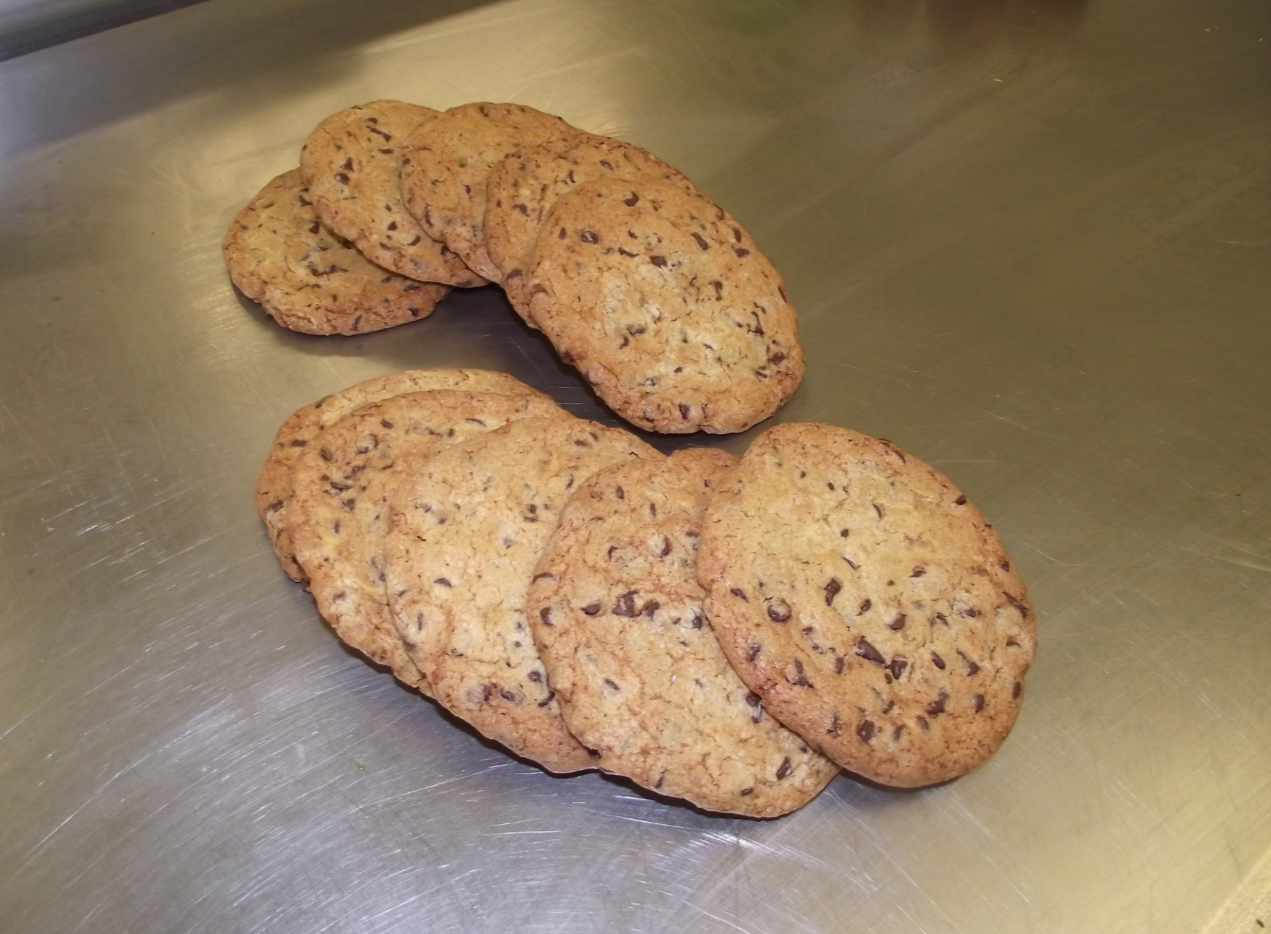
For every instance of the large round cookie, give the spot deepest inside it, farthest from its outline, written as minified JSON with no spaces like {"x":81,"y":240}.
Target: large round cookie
{"x":307,"y":278}
{"x":352,"y":165}
{"x":666,"y":307}
{"x":337,"y":517}
{"x":617,"y":615}
{"x":273,"y":485}
{"x":870,"y":605}
{"x":466,"y":529}
{"x":445,"y":164}
{"x":524,"y":185}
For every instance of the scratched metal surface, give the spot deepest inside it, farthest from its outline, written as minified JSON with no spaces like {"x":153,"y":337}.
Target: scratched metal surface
{"x":1029,"y":241}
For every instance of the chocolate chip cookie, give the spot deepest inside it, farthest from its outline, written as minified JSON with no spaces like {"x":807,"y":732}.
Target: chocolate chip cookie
{"x":351,"y":164}
{"x":337,"y":517}
{"x":666,"y":306}
{"x":308,"y":278}
{"x":857,"y":591}
{"x":616,"y":612}
{"x":467,"y":527}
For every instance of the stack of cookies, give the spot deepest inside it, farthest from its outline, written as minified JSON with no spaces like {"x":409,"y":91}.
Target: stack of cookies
{"x":728,"y":631}
{"x":655,"y":294}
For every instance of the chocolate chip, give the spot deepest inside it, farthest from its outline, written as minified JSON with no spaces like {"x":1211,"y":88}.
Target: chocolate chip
{"x":865,"y":605}
{"x":800,"y":678}
{"x":839,"y":664}
{"x":960,"y":501}
{"x":937,"y":661}
{"x":844,"y":533}
{"x":684,"y":410}
{"x":979,"y":702}
{"x":753,"y":650}
{"x":832,"y":590}
{"x":741,"y":251}
{"x":865,"y":731}
{"x":1017,"y":690}
{"x":342,"y":178}
{"x":545,"y":614}
{"x":866,"y":651}
{"x":625,"y":605}
{"x":701,"y":241}
{"x":591,"y":609}
{"x":1018,"y":604}
{"x":779,"y":610}
{"x":544,"y":575}
{"x":631,"y":202}
{"x":650,"y":608}
{"x":897,"y":666}
{"x":897,"y":624}
{"x":548,"y":699}
{"x":589,"y":236}
{"x":738,"y":592}
{"x":745,"y":792}
{"x":443,"y":581}
{"x":611,"y":685}
{"x":971,"y":667}
{"x":936,"y":707}
{"x":878,"y":509}
{"x":918,"y":571}
{"x":658,"y":261}
{"x":666,"y":547}
{"x":784,"y":769}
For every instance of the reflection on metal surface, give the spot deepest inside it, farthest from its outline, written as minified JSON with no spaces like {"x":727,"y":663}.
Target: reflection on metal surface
{"x":1028,"y":242}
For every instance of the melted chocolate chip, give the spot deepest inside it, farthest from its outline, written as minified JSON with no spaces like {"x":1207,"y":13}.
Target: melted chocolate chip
{"x":591,"y":609}
{"x":865,"y":731}
{"x":832,"y":589}
{"x":545,"y":614}
{"x":779,"y":611}
{"x":589,"y":236}
{"x":867,"y":651}
{"x":658,"y":261}
{"x":971,"y":667}
{"x":897,"y":666}
{"x":625,"y":605}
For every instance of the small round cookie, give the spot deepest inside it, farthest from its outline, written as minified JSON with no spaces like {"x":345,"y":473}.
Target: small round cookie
{"x":666,"y":306}
{"x":524,"y":185}
{"x":616,"y":612}
{"x":308,"y":279}
{"x":445,"y":164}
{"x":337,"y":517}
{"x":872,"y":607}
{"x":273,"y":485}
{"x":466,"y":528}
{"x":352,"y":167}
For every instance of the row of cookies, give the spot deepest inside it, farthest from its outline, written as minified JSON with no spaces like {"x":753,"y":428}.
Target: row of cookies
{"x":658,"y":296}
{"x":588,"y":602}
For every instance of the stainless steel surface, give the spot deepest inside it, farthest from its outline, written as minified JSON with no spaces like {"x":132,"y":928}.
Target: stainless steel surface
{"x":1031,"y":242}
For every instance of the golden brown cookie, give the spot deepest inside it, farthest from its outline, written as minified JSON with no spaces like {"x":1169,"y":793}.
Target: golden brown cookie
{"x":445,"y":164}
{"x":617,"y":615}
{"x":870,"y":605}
{"x":309,"y":279}
{"x":273,"y":485}
{"x":666,"y":307}
{"x":467,"y":526}
{"x":524,"y":185}
{"x":337,"y":517}
{"x":351,"y":165}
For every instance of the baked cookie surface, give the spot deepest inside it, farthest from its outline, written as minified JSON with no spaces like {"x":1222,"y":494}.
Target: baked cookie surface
{"x":466,"y":530}
{"x":870,"y":605}
{"x":337,"y":517}
{"x":273,"y":484}
{"x":666,"y":306}
{"x":446,"y":162}
{"x":351,"y":165}
{"x":524,"y":185}
{"x":307,"y":278}
{"x":617,"y":615}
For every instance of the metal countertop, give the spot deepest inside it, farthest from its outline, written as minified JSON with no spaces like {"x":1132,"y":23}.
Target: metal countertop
{"x":1030,"y":242}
